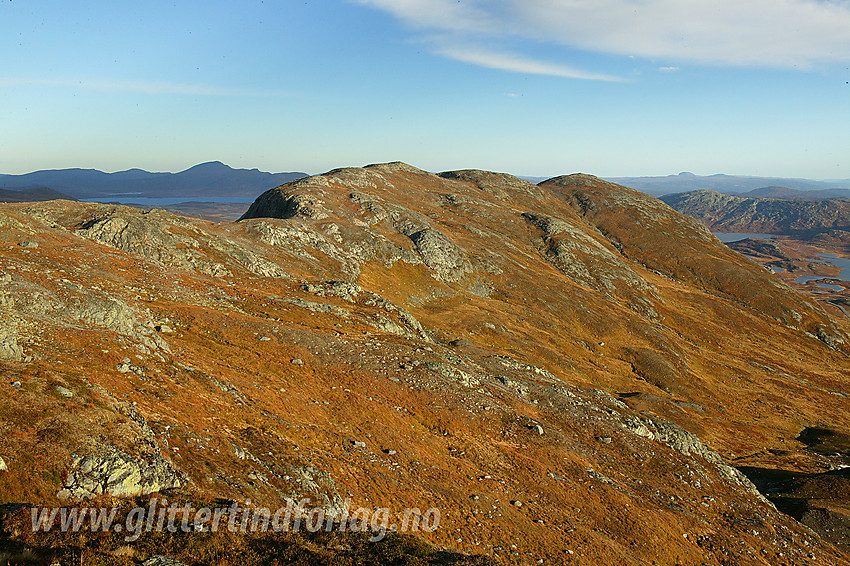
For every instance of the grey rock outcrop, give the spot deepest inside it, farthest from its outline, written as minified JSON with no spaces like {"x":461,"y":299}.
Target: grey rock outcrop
{"x":111,"y":471}
{"x":688,"y":444}
{"x":117,"y":316}
{"x":503,"y":185}
{"x":64,"y":391}
{"x":441,"y":254}
{"x":278,"y":204}
{"x":584,"y":259}
{"x":168,"y":240}
{"x":148,"y":237}
{"x":9,"y":348}
{"x":3,"y":466}
{"x":159,"y":560}
{"x":588,"y":262}
{"x":342,"y":289}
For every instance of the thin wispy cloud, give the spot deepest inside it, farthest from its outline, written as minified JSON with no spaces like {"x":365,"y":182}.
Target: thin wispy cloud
{"x":516,"y":63}
{"x":141,"y":87}
{"x":736,"y":33}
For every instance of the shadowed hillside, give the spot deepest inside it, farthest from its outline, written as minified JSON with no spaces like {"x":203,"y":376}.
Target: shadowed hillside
{"x":32,"y":195}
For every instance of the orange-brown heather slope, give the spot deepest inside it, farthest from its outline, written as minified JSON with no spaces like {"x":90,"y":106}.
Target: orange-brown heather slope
{"x":463,"y":341}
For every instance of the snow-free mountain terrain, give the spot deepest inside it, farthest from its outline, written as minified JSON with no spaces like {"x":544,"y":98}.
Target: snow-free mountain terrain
{"x":572,"y":372}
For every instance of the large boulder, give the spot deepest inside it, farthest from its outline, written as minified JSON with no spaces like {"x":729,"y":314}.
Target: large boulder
{"x":111,"y":471}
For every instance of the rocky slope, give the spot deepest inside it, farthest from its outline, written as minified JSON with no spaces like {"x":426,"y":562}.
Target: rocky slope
{"x":570,"y":371}
{"x":725,"y":213}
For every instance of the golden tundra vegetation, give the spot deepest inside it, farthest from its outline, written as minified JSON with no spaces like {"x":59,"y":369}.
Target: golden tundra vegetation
{"x":571,"y":372}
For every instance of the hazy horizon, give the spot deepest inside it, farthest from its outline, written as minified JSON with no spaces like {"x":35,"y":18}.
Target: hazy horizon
{"x":536,"y":89}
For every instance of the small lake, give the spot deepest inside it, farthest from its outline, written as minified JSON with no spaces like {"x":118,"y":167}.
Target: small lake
{"x":729,"y":237}
{"x":148,"y":201}
{"x":775,"y":269}
{"x":807,"y":278}
{"x":842,"y":262}
{"x":831,"y":259}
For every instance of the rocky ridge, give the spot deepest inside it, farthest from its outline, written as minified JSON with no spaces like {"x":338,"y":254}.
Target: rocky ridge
{"x":726,"y":213}
{"x":466,"y":340}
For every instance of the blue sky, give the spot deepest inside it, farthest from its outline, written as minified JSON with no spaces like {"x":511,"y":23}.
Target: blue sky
{"x":531,"y":87}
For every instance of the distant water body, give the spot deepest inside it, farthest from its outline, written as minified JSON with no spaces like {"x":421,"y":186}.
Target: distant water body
{"x":146,"y":201}
{"x":729,"y":237}
{"x":832,"y":259}
{"x":841,"y":262}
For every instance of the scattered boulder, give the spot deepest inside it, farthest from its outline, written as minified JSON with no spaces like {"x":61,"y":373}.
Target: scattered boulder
{"x":127,"y":367}
{"x":297,"y":362}
{"x":3,"y":466}
{"x":158,"y":560}
{"x":64,"y":391}
{"x":28,"y":244}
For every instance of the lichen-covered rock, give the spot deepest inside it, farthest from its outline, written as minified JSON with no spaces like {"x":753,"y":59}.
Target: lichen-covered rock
{"x":317,"y":307}
{"x":278,"y":204}
{"x":689,"y":444}
{"x":111,"y":471}
{"x":441,"y":254}
{"x":588,"y":262}
{"x":116,"y":315}
{"x":152,"y":237}
{"x":500,"y":184}
{"x":453,"y":373}
{"x":9,"y":348}
{"x":158,"y":560}
{"x":342,"y":289}
{"x":168,"y":240}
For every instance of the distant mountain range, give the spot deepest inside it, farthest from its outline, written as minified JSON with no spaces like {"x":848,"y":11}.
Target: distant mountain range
{"x":215,"y":179}
{"x":784,"y":193}
{"x":212,"y":179}
{"x":736,"y":185}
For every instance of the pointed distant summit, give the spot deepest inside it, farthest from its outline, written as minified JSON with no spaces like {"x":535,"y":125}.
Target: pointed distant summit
{"x":210,"y":179}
